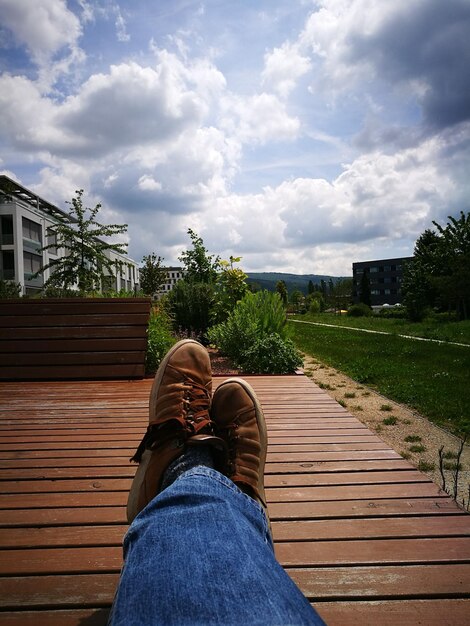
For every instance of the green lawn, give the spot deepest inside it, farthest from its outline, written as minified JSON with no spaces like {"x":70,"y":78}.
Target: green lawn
{"x":432,"y":378}
{"x":429,"y":329}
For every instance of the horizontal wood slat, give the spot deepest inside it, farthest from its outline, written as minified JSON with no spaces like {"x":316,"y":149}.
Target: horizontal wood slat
{"x":368,"y":538}
{"x":73,"y":338}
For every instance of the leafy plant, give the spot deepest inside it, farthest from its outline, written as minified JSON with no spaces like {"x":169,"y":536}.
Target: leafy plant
{"x":412,"y":438}
{"x":256,"y":315}
{"x":191,"y":306}
{"x":255,"y":318}
{"x":417,"y":448}
{"x":386,"y":407}
{"x":359,"y":310}
{"x":9,"y":289}
{"x":159,"y":338}
{"x":390,"y":421}
{"x":271,"y":355}
{"x":425,"y":466}
{"x":230,"y":288}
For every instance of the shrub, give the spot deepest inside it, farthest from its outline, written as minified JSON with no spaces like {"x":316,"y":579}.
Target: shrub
{"x":271,"y":355}
{"x":359,"y":310}
{"x":425,"y":466}
{"x":255,"y":316}
{"x":253,"y":335}
{"x":9,"y":290}
{"x":159,"y":338}
{"x":191,"y":306}
{"x":390,"y":421}
{"x":413,"y":438}
{"x":315,"y":306}
{"x":393,"y":312}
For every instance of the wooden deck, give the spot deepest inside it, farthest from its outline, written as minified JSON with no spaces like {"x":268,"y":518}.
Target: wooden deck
{"x":368,"y":538}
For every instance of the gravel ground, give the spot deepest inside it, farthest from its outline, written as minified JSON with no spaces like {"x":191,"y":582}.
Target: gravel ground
{"x":372,"y":409}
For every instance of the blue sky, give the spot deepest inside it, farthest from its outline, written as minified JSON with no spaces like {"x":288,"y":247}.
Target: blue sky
{"x":301,"y":135}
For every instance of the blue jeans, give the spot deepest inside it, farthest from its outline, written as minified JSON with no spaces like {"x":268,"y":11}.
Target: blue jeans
{"x":201,"y":553}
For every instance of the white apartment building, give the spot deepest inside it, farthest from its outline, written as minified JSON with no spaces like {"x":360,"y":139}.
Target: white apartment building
{"x":173,"y":275}
{"x":25,"y":227}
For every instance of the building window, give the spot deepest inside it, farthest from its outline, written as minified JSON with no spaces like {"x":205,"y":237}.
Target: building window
{"x":6,"y":230}
{"x":52,"y":241}
{"x":31,"y":230}
{"x":374,"y":269}
{"x":32,"y":263}
{"x":7,"y":267}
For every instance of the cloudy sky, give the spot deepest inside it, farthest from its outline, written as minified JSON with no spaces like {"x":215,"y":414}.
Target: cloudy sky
{"x":301,"y":135}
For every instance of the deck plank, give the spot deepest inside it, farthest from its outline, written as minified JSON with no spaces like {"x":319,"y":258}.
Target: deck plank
{"x":367,"y":537}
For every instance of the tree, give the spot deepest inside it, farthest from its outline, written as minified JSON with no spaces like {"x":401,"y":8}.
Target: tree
{"x":193,"y":299}
{"x":439,"y":275}
{"x":199,"y":266}
{"x":418,"y":293}
{"x":282,"y":291}
{"x":297,"y":299}
{"x":311,"y":287}
{"x":85,"y":262}
{"x":452,"y":262}
{"x":152,"y":274}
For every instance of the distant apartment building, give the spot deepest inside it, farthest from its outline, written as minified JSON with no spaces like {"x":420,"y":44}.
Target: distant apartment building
{"x":173,"y":275}
{"x":25,"y":227}
{"x":385,"y":278}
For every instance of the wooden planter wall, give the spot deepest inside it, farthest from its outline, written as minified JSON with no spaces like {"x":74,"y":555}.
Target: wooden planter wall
{"x":73,"y":338}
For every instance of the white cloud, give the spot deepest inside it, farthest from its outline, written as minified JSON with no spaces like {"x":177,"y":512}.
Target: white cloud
{"x":258,"y":119}
{"x":43,"y":26}
{"x":148,"y":183}
{"x":419,"y":46}
{"x":283,"y":67}
{"x":120,"y":24}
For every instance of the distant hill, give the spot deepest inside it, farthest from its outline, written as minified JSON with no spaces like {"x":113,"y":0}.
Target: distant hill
{"x":268,"y":280}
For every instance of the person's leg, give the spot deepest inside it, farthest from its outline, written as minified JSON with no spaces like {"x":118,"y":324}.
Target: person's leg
{"x":201,"y":553}
{"x":199,"y":549}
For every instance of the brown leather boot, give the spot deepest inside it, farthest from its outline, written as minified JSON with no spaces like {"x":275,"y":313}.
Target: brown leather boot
{"x":179,"y":416}
{"x":239,"y":421}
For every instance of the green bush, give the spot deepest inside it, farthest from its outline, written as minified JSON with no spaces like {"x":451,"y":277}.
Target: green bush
{"x":253,"y":335}
{"x":359,"y":310}
{"x":271,"y":355}
{"x":315,"y":306}
{"x":191,"y":306}
{"x":234,"y":335}
{"x":255,"y":316}
{"x":159,"y":339}
{"x":52,"y":291}
{"x":9,"y":290}
{"x":393,"y":312}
